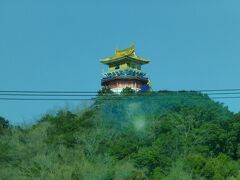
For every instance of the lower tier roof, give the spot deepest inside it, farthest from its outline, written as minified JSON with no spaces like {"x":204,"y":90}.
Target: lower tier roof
{"x":126,"y":78}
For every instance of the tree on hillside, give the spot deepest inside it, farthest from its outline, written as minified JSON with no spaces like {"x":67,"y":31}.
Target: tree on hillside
{"x":4,"y":124}
{"x":127,"y":91}
{"x":105,"y":91}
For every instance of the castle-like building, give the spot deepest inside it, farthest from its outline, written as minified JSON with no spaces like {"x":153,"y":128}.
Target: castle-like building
{"x":124,"y":70}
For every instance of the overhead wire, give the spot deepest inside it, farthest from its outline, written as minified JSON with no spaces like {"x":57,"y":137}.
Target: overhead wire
{"x":21,"y":95}
{"x":94,"y":92}
{"x":47,"y":92}
{"x":63,"y":91}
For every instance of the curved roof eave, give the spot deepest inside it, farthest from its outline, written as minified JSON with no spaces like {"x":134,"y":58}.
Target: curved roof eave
{"x":113,"y":60}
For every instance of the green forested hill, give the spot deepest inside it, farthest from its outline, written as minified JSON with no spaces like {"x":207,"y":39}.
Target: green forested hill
{"x":165,"y":135}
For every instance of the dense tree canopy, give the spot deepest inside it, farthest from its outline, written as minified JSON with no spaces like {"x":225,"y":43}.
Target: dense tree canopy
{"x":164,"y":135}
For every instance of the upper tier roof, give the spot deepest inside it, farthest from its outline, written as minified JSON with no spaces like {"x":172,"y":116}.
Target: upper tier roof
{"x":128,"y":53}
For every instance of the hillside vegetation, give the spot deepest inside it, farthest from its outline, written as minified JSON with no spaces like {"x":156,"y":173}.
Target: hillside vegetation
{"x":165,"y":135}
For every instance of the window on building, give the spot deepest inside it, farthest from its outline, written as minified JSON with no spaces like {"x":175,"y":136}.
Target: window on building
{"x":117,"y":67}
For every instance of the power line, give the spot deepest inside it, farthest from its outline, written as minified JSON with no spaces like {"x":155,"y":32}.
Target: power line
{"x":227,"y":93}
{"x":64,"y":95}
{"x":87,"y":95}
{"x":92,"y":99}
{"x":43,"y":99}
{"x":234,"y":97}
{"x":49,"y":92}
{"x":10,"y":95}
{"x":210,"y":90}
{"x":94,"y":92}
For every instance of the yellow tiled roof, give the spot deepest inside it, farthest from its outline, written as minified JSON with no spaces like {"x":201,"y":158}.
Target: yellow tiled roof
{"x":121,"y":54}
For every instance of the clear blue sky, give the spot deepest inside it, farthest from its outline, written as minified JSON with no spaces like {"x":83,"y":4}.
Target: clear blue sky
{"x":56,"y":45}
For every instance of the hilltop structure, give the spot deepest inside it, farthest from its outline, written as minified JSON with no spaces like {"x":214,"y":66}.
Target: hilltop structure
{"x":124,"y":70}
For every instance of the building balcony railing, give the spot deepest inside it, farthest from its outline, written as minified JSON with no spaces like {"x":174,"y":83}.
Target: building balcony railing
{"x":125,"y":72}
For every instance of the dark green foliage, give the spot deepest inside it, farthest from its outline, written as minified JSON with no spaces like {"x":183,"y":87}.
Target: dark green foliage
{"x":66,"y":124}
{"x":105,"y":91}
{"x":164,"y":135}
{"x":128,"y":91}
{"x":4,"y":125}
{"x":219,"y":167}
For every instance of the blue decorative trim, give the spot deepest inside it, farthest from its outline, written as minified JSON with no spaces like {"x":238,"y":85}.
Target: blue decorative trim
{"x":127,"y":73}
